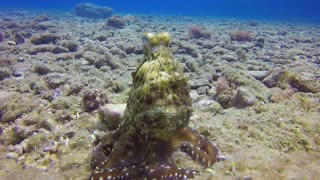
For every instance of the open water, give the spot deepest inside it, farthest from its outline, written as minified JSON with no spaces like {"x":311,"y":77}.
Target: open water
{"x":293,"y":10}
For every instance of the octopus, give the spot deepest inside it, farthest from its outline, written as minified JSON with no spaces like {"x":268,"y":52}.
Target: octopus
{"x":154,"y":124}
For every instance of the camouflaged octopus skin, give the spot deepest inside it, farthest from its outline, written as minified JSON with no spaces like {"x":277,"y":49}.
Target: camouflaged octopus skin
{"x":154,"y":123}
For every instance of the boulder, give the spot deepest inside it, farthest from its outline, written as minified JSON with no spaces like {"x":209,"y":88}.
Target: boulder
{"x":89,"y":10}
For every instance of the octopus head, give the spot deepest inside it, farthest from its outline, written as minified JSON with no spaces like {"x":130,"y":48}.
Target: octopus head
{"x":159,"y":103}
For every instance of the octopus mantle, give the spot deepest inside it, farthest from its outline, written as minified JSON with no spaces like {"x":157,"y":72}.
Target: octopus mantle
{"x":155,"y":123}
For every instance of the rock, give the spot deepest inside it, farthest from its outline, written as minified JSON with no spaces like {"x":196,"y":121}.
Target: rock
{"x":92,"y":100}
{"x":295,"y":51}
{"x":47,"y":48}
{"x":54,"y":80}
{"x":234,"y":47}
{"x":41,"y":18}
{"x":67,"y":56}
{"x":219,"y":50}
{"x":303,"y":39}
{"x":207,"y":45}
{"x":99,"y":60}
{"x":192,"y":65}
{"x":199,"y":83}
{"x":212,"y":91}
{"x":89,"y":10}
{"x":19,"y":71}
{"x":42,"y":69}
{"x":288,"y":79}
{"x":229,"y":58}
{"x":61,"y":103}
{"x":203,"y":90}
{"x":21,"y":59}
{"x":52,"y":149}
{"x":129,"y":49}
{"x":13,"y":105}
{"x":116,"y":22}
{"x":5,"y":72}
{"x":259,"y":44}
{"x":241,"y":89}
{"x":1,"y":36}
{"x":45,"y":39}
{"x":11,"y":43}
{"x":19,"y":38}
{"x":72,"y":87}
{"x":203,"y":103}
{"x":70,"y":45}
{"x":12,"y":155}
{"x":197,"y":32}
{"x":43,"y":26}
{"x":208,"y":105}
{"x":259,"y":75}
{"x":226,"y":99}
{"x":239,"y":78}
{"x":130,"y":19}
{"x":282,"y":33}
{"x":187,"y":48}
{"x":111,"y":115}
{"x":117,"y":51}
{"x":272,"y":79}
{"x":240,"y":36}
{"x":244,"y":98}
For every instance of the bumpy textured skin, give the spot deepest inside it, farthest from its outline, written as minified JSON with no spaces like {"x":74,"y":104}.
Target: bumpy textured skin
{"x":154,"y":123}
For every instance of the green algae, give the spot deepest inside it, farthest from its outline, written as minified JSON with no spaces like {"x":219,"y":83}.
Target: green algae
{"x":289,"y":79}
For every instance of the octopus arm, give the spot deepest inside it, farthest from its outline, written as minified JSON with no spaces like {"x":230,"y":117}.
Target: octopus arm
{"x":169,"y":171}
{"x":199,"y":148}
{"x":120,"y":171}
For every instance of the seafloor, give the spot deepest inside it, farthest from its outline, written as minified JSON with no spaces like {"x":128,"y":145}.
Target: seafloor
{"x":256,"y":97}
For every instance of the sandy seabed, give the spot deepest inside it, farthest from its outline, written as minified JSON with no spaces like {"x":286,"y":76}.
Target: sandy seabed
{"x":257,"y":99}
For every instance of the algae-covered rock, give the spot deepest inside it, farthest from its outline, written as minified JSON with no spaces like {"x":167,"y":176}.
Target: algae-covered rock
{"x":72,"y":46}
{"x":5,"y":72}
{"x":47,"y":48}
{"x":13,"y":105}
{"x":99,"y":60}
{"x":92,"y":100}
{"x":45,"y":39}
{"x":111,"y":115}
{"x":116,"y":22}
{"x":208,"y":106}
{"x":42,"y":69}
{"x":288,"y":79}
{"x":240,"y":89}
{"x":54,"y":80}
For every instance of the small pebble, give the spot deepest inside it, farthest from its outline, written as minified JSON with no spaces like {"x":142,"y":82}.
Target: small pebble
{"x":222,"y":158}
{"x":11,"y":43}
{"x":259,"y":75}
{"x":21,"y":59}
{"x":12,"y":155}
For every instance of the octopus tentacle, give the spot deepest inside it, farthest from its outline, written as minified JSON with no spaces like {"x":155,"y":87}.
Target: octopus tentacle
{"x":163,"y":171}
{"x":168,"y":171}
{"x":100,"y":156}
{"x":120,"y":171}
{"x":197,"y":147}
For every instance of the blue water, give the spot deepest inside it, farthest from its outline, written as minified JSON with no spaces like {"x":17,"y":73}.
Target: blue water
{"x":308,"y":10}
